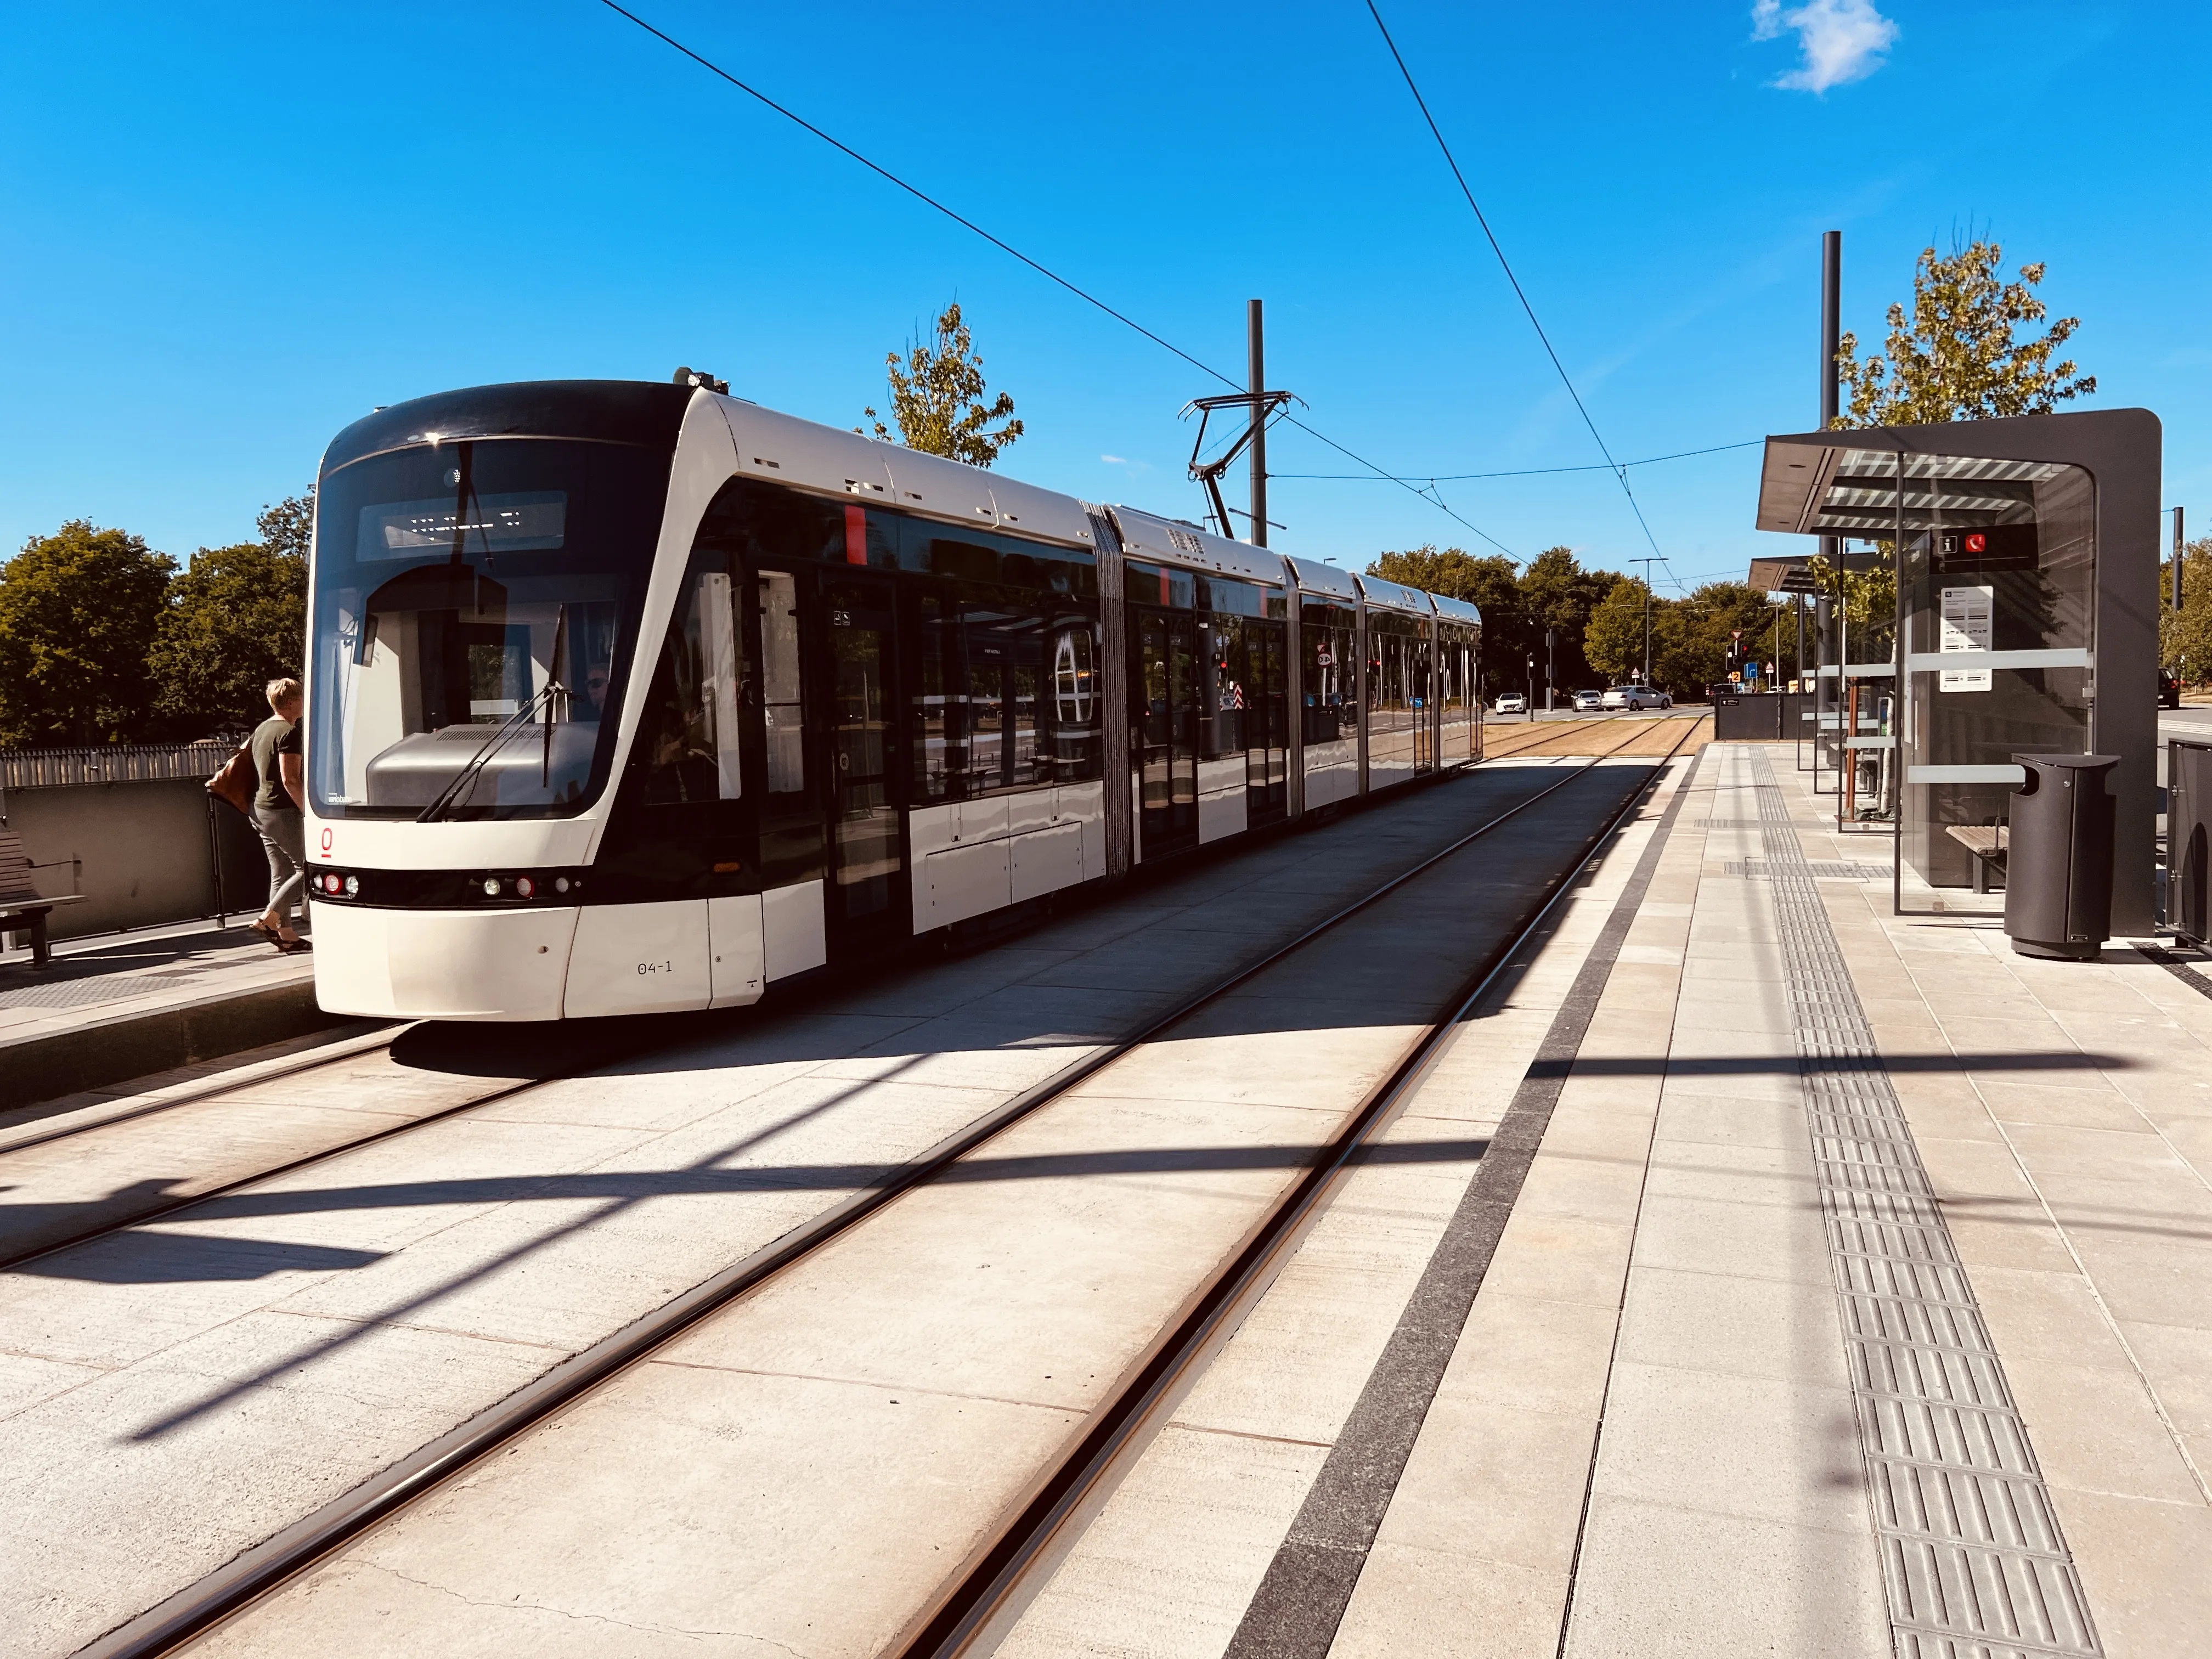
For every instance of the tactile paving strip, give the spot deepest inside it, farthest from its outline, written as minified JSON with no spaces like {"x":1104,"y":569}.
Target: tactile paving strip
{"x":1973,"y":1558}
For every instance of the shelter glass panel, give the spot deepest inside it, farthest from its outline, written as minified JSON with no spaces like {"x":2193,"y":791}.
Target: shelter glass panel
{"x":1998,"y":601}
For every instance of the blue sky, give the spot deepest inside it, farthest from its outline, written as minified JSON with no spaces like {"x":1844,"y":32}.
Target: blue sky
{"x":231,"y":229}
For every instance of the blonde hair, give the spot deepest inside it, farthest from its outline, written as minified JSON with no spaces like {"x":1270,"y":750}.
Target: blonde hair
{"x":284,"y":689}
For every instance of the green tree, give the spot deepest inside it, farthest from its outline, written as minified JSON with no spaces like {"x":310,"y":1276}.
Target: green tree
{"x":1958,"y":359}
{"x":1613,"y":640}
{"x":1558,"y":593}
{"x":937,"y":398}
{"x":78,"y":609}
{"x":236,"y":619}
{"x":2184,"y":637}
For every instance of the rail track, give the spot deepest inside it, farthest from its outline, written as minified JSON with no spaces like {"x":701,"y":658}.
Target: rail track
{"x":949,"y":1624}
{"x":600,"y":1046}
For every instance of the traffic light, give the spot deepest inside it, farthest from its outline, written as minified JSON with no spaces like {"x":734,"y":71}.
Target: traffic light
{"x":1735,"y":651}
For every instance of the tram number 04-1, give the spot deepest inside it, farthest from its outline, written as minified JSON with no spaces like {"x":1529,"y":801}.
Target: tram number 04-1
{"x":656,"y":967}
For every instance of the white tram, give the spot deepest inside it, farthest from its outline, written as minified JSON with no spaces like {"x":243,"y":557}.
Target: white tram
{"x":628,"y":698}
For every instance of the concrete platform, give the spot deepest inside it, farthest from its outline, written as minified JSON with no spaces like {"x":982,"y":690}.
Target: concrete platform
{"x":1857,"y":1299}
{"x":122,"y":1007}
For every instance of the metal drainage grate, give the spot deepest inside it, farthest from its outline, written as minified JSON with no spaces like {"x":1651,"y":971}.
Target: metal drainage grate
{"x":1973,"y":1557}
{"x":1757,"y":870}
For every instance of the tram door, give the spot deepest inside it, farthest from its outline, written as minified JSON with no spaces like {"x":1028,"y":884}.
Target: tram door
{"x":1421,"y":692}
{"x":867,"y":902}
{"x":1166,"y":686}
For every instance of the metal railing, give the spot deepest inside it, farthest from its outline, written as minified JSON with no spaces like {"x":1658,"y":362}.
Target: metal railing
{"x":52,"y":768}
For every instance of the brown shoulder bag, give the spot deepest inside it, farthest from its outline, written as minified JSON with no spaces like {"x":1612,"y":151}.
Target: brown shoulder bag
{"x":239,"y":780}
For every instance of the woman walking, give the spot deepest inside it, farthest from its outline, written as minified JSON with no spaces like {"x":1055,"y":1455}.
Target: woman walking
{"x":278,"y":805}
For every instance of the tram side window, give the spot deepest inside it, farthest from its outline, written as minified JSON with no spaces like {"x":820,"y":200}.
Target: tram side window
{"x":1222,"y":687}
{"x":1332,"y":706}
{"x":782,"y":706}
{"x":1074,"y":701}
{"x":1003,"y":700}
{"x":688,"y":737}
{"x":939,"y":737}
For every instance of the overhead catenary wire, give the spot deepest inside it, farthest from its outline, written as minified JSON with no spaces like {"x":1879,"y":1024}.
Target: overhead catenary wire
{"x":1519,"y":293}
{"x":1427,"y":493}
{"x":1532,"y":471}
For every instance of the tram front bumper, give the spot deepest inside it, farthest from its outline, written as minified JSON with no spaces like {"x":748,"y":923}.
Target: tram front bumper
{"x":442,"y":965}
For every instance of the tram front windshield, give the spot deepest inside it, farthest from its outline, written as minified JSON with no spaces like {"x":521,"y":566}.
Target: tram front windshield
{"x":475,"y":611}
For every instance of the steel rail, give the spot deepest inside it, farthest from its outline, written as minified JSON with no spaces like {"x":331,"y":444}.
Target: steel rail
{"x":312,"y":1062}
{"x":256,"y":1572}
{"x":309,"y":1060}
{"x":1120,"y":1429}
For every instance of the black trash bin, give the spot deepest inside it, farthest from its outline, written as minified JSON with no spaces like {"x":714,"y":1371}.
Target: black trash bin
{"x":2058,"y":861}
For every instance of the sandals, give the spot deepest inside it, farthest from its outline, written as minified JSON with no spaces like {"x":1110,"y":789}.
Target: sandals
{"x":276,"y":938}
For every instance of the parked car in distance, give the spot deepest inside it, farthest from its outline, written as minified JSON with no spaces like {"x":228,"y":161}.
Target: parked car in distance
{"x":1636,"y":698}
{"x":1513,"y":702}
{"x":2169,"y":688}
{"x":1586,"y":700}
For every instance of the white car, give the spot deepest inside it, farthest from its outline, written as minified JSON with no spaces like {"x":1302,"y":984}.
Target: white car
{"x":1586,"y":700}
{"x":1636,"y":698}
{"x":1512,"y":703}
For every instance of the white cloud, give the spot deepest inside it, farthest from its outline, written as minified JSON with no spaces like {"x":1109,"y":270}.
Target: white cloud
{"x":1114,"y":460}
{"x":1843,"y":39}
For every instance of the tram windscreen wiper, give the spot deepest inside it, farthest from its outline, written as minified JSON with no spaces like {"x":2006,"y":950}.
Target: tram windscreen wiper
{"x":451,"y":793}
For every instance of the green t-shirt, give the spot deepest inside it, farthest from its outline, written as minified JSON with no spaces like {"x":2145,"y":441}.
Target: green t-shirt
{"x":273,"y":737}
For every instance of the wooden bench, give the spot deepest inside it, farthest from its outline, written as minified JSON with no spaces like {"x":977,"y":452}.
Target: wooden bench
{"x":20,"y":902}
{"x":1987,"y":843}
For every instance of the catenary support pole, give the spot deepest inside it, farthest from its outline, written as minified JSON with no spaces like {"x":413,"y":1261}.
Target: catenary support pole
{"x":2180,"y":547}
{"x":1259,"y":364}
{"x":1832,"y":324}
{"x":1647,"y":564}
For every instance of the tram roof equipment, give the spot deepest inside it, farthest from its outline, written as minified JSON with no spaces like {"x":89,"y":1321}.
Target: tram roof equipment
{"x":1457,"y":610}
{"x":1395,"y":596}
{"x":1325,"y":580}
{"x":831,"y":462}
{"x":1164,"y":541}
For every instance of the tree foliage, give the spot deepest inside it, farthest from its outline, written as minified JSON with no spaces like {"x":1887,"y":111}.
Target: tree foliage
{"x":78,"y":611}
{"x":1690,"y":636}
{"x":236,"y":619}
{"x":2184,"y":637}
{"x":1958,"y":359}
{"x":937,"y":398}
{"x":1614,"y":641}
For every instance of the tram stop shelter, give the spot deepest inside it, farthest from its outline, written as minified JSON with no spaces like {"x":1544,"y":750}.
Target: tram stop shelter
{"x":2027,"y":609}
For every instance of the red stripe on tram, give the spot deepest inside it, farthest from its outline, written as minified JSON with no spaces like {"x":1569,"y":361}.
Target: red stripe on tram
{"x":856,"y":535}
{"x":1166,"y":595}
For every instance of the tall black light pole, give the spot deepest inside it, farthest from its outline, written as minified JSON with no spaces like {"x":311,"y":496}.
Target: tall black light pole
{"x":1551,"y":668}
{"x":1832,"y":332}
{"x":1647,"y":564}
{"x":1259,"y":361}
{"x":2179,"y":548}
{"x":1532,"y":689}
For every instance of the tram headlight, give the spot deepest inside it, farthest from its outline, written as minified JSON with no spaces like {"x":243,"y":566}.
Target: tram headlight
{"x":491,"y":886}
{"x":353,"y":886}
{"x":560,"y":883}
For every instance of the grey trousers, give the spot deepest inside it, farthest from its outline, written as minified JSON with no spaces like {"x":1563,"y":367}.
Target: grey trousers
{"x":283,"y":831}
